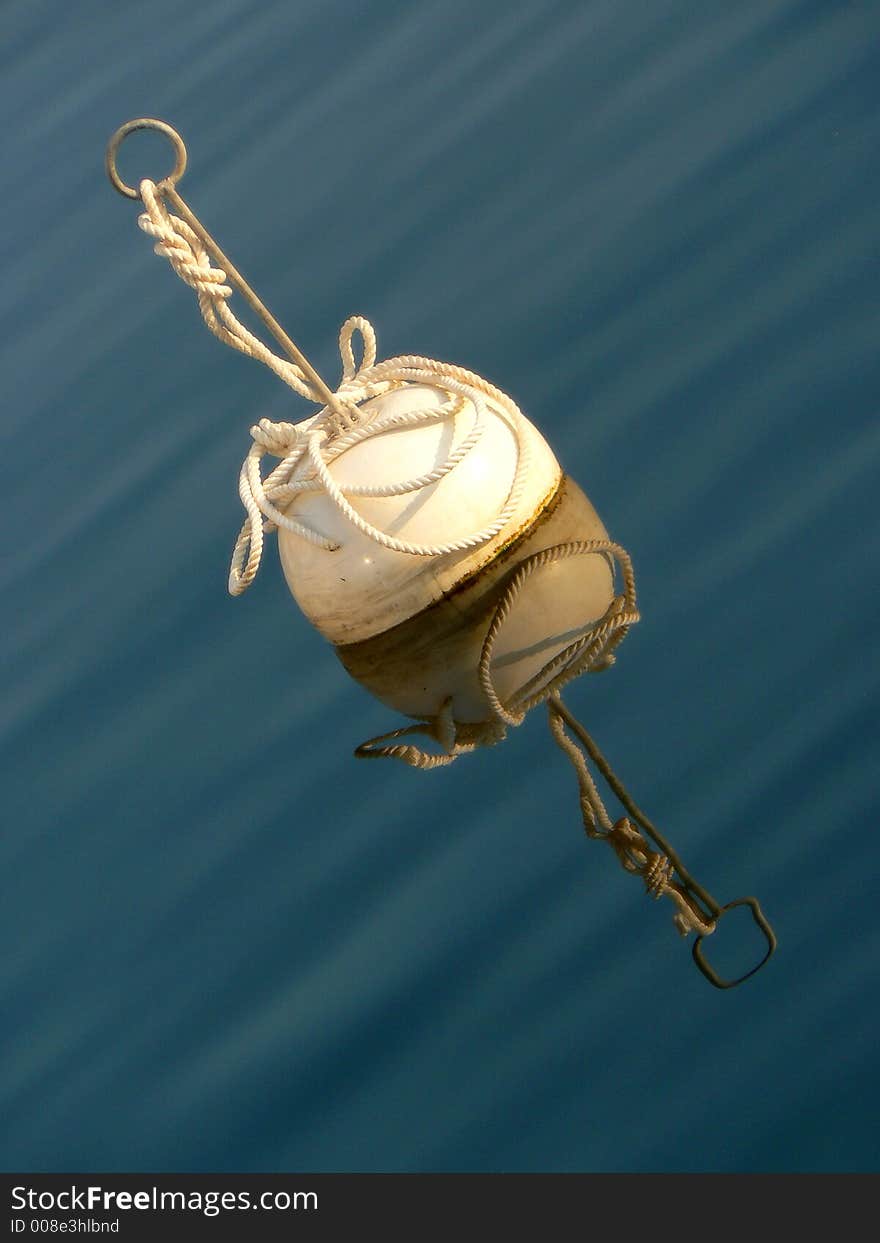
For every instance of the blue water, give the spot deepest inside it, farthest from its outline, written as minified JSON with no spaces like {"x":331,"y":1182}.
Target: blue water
{"x":228,"y":945}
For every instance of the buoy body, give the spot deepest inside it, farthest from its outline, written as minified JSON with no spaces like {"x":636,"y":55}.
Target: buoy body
{"x":411,"y":628}
{"x":417,"y":664}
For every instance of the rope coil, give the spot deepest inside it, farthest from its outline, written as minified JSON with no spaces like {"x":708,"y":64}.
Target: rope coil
{"x":308,"y":448}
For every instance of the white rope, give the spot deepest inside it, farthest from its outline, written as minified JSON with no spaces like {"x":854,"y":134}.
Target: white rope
{"x":308,"y":449}
{"x":592,"y":652}
{"x":176,"y":242}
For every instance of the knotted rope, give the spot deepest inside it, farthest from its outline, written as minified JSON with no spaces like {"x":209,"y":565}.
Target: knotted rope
{"x":307,"y":448}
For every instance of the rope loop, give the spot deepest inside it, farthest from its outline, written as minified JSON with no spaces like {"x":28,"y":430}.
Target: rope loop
{"x":590,"y":653}
{"x":356,"y":323}
{"x":454,"y":737}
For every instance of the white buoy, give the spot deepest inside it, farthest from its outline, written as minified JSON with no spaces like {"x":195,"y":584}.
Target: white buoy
{"x":427,"y":530}
{"x":411,"y":627}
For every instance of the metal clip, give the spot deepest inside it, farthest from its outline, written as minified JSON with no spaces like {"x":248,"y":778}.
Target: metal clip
{"x":761,"y":920}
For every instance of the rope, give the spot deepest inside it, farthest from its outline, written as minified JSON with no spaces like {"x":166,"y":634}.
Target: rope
{"x":455,"y":738}
{"x":631,"y":848}
{"x":176,"y":242}
{"x":592,"y":652}
{"x":307,"y":449}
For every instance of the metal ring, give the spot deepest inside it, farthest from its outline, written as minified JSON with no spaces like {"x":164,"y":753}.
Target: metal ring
{"x":769,"y":935}
{"x":128,"y":128}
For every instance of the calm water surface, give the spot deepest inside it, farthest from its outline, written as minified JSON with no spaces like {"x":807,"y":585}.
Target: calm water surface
{"x":227,"y":945}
